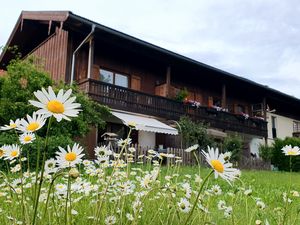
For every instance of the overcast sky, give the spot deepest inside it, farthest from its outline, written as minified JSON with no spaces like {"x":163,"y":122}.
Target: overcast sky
{"x":255,"y":39}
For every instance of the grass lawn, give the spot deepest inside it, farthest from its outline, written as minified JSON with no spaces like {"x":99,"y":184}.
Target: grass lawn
{"x":98,"y":197}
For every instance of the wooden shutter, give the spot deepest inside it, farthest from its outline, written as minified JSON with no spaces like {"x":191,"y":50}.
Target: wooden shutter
{"x":135,"y":83}
{"x":95,"y":72}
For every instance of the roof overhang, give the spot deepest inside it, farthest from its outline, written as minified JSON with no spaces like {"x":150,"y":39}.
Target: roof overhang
{"x":144,"y":123}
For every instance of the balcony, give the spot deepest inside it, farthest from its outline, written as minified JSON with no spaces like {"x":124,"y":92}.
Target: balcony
{"x":126,"y":99}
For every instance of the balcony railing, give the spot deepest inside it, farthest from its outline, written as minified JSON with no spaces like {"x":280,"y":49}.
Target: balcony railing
{"x":126,"y":99}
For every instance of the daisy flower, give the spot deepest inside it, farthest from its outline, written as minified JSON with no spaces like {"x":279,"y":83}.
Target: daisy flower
{"x":26,"y":138}
{"x":12,"y":152}
{"x":32,"y":124}
{"x":184,"y":205}
{"x":289,"y":150}
{"x":61,"y":106}
{"x":69,"y":158}
{"x":192,"y":148}
{"x":50,"y":166}
{"x":3,"y":150}
{"x":110,"y":220}
{"x":221,"y":167}
{"x":12,"y":125}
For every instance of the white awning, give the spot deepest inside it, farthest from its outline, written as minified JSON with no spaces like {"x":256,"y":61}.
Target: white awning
{"x":146,"y":123}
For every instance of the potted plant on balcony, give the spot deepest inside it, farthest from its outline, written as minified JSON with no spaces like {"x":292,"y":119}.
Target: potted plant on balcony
{"x":181,"y":95}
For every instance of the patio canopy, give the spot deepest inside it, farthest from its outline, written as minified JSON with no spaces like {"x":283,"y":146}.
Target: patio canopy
{"x":145,"y":123}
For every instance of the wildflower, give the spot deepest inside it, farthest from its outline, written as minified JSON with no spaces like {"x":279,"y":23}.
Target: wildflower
{"x":220,"y":166}
{"x":12,"y":125}
{"x":248,"y":192}
{"x":110,"y":220}
{"x":227,"y":211}
{"x":50,"y":166}
{"x":32,"y":124}
{"x":184,"y":205}
{"x":216,"y":190}
{"x":26,"y":138}
{"x":227,"y":156}
{"x":295,"y":193}
{"x":61,"y":189}
{"x":260,"y":205}
{"x":16,"y":168}
{"x":131,"y":149}
{"x":289,"y":150}
{"x":3,"y":150}
{"x":74,"y":212}
{"x":221,"y":205}
{"x":61,"y":106}
{"x":192,"y":148}
{"x":69,"y":158}
{"x":188,"y":190}
{"x":12,"y":152}
{"x":258,"y":222}
{"x":124,"y":142}
{"x":129,"y":217}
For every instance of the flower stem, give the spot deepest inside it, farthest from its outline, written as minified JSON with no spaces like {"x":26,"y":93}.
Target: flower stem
{"x":197,"y":198}
{"x":42,"y":174}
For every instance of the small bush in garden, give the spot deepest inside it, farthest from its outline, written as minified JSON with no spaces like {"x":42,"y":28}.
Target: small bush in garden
{"x":194,"y":133}
{"x":234,"y":145}
{"x":279,"y":160}
{"x":265,"y":152}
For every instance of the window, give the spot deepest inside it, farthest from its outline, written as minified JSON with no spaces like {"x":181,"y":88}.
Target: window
{"x":273,"y":123}
{"x":296,"y":126}
{"x":114,"y":78}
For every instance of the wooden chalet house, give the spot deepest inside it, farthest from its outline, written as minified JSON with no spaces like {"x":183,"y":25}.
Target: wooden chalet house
{"x":140,"y":81}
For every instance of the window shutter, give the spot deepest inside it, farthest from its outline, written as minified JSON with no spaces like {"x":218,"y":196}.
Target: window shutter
{"x":135,"y":83}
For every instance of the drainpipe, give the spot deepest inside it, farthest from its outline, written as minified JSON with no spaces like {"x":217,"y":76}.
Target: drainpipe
{"x":80,"y":45}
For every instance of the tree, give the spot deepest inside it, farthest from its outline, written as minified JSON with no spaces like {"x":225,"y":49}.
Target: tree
{"x":23,"y":77}
{"x":193,"y":133}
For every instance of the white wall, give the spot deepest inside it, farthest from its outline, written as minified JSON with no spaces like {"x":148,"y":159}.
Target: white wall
{"x":284,"y":126}
{"x":147,"y":139}
{"x":254,"y":145}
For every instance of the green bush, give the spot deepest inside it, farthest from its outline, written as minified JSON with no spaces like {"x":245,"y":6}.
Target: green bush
{"x":17,"y":87}
{"x":279,"y":159}
{"x":234,"y":145}
{"x":181,"y":95}
{"x":194,"y":133}
{"x":265,"y":152}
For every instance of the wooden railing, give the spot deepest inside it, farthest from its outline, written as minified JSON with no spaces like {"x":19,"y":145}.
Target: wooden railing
{"x":126,"y":99}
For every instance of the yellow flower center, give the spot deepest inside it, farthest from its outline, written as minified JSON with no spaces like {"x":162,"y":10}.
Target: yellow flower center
{"x":217,"y":165}
{"x":55,"y":106}
{"x":14,"y":153}
{"x":33,"y":126}
{"x":70,"y":156}
{"x":27,"y":138}
{"x":291,"y":152}
{"x":1,"y":152}
{"x":13,"y":125}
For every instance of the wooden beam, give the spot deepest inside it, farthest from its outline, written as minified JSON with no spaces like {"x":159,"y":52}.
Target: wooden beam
{"x":223,"y":103}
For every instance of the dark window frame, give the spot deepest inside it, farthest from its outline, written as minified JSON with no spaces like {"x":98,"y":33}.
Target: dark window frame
{"x":114,"y":72}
